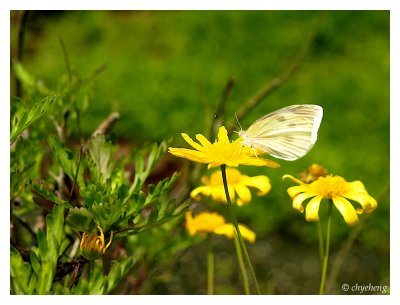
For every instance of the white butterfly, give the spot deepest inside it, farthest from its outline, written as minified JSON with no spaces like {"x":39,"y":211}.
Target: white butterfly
{"x":288,"y":133}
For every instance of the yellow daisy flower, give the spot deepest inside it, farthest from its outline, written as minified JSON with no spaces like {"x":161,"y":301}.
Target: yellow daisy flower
{"x":203,"y":223}
{"x":207,"y":222}
{"x":93,"y":246}
{"x":221,"y":152}
{"x":335,"y":188}
{"x":237,"y":184}
{"x":229,"y":231}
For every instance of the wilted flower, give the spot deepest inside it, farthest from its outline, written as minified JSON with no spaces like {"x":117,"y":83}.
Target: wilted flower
{"x":93,"y":246}
{"x":237,"y":184}
{"x":313,"y":172}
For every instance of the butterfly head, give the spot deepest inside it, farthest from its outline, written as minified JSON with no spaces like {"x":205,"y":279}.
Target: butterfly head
{"x":246,"y":140}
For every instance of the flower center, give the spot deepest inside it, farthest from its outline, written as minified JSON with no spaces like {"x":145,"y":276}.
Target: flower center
{"x":330,"y":186}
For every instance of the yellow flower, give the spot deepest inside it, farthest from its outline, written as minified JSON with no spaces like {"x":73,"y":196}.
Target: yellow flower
{"x":220,"y":152}
{"x":207,"y":222}
{"x":237,"y":183}
{"x":203,"y":223}
{"x":93,"y":246}
{"x":229,"y":231}
{"x":335,"y":188}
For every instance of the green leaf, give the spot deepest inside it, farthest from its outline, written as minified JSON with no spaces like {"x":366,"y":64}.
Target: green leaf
{"x":35,"y":263}
{"x":118,"y":271}
{"x":65,"y":157}
{"x":23,"y":117}
{"x":49,"y":249}
{"x":101,"y":153}
{"x":81,"y":220}
{"x":42,"y":242}
{"x":22,"y":280}
{"x":153,"y":216}
{"x":46,"y":198}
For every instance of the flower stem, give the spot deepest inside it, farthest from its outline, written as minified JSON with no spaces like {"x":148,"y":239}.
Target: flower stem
{"x":235,"y":223}
{"x":210,"y":266}
{"x":320,"y":243}
{"x":241,"y":266}
{"x":326,"y":255}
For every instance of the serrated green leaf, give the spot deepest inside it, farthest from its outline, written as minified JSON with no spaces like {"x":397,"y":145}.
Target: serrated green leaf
{"x":101,"y":151}
{"x":80,"y":219}
{"x":23,"y":118}
{"x":117,"y":272}
{"x":65,"y":158}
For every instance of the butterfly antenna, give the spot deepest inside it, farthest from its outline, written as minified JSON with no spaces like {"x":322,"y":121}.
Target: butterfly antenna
{"x":237,"y":120}
{"x":230,"y":124}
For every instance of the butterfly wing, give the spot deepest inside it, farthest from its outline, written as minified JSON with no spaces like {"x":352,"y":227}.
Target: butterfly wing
{"x":288,"y":133}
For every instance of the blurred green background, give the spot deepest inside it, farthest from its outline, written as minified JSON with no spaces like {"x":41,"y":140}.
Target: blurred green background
{"x":165,"y":74}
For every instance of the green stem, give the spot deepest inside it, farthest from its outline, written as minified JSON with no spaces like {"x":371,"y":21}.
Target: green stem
{"x":210,"y":266}
{"x":320,"y":243}
{"x":241,"y":266}
{"x":326,"y":255}
{"x":235,"y":223}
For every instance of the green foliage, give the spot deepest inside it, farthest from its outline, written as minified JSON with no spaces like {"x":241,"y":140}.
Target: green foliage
{"x":98,"y":282}
{"x":23,"y":117}
{"x":105,"y":195}
{"x":38,"y":275}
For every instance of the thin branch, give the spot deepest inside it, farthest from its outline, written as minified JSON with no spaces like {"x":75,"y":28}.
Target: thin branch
{"x":76,"y":173}
{"x":67,"y":65}
{"x":278,"y":81}
{"x":103,"y":128}
{"x":106,"y":124}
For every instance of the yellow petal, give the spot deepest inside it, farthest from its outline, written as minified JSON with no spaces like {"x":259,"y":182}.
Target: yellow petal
{"x":256,"y":162}
{"x":295,"y":180}
{"x":229,"y":231}
{"x":222,"y":135}
{"x":261,"y":183}
{"x":312,"y":209}
{"x":203,"y":141}
{"x":346,"y":209}
{"x":293,"y":191}
{"x":204,"y":222}
{"x":367,"y":202}
{"x":218,"y":193}
{"x":298,"y":201}
{"x":243,"y":193}
{"x":191,"y":142}
{"x":356,"y":186}
{"x":195,"y":194}
{"x":190,"y":154}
